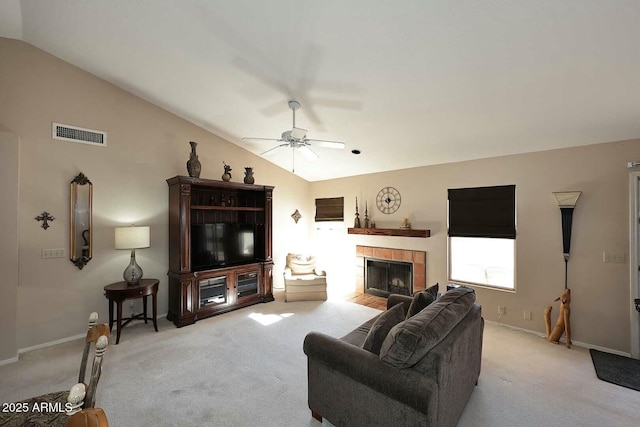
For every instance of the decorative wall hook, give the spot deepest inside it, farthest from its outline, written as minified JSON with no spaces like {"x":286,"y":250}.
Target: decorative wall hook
{"x":44,"y":217}
{"x":296,"y":216}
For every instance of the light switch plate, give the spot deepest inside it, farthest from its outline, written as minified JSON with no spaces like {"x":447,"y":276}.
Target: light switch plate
{"x":53,"y":253}
{"x":614,"y":258}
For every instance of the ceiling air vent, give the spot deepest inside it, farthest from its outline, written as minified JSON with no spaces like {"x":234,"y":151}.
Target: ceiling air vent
{"x":76,"y":134}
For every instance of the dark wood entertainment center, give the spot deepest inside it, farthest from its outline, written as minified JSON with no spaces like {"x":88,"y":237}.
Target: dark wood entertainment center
{"x":195,"y":294}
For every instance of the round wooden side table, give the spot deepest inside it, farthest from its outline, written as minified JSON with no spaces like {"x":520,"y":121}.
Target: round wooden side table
{"x":121,"y":291}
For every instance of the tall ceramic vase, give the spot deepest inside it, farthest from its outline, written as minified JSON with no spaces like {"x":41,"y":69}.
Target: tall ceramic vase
{"x":193,"y":164}
{"x":248,"y":176}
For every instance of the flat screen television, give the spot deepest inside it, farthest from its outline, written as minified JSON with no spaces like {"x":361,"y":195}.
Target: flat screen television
{"x":221,"y":244}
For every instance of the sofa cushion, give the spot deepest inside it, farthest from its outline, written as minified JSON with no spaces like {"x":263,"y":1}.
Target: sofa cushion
{"x":410,"y":340}
{"x":381,"y":328}
{"x":422,"y":299}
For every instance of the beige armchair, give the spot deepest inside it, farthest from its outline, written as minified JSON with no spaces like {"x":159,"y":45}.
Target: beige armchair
{"x":302,"y":280}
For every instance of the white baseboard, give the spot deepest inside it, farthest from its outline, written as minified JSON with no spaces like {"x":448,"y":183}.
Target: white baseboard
{"x":7,"y":361}
{"x":577,"y":343}
{"x":50,"y":343}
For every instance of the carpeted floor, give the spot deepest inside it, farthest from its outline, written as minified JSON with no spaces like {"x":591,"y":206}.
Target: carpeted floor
{"x":243,"y":368}
{"x":615,"y":369}
{"x":247,"y":368}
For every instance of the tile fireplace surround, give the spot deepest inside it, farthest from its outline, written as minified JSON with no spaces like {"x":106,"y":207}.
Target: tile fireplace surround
{"x":418,"y":258}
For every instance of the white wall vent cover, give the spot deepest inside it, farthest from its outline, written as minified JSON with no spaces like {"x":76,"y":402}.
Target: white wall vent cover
{"x":76,"y":134}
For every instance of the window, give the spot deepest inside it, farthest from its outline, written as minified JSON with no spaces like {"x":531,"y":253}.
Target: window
{"x":482,"y":232}
{"x":331,"y":209}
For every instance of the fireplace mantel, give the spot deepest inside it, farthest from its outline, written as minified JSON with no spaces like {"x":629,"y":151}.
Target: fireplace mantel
{"x":403,"y":232}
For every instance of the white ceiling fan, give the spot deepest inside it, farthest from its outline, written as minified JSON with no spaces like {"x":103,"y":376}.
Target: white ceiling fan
{"x":296,"y":138}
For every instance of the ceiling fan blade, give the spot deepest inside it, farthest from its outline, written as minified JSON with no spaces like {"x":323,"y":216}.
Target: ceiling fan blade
{"x":271,"y":149}
{"x":344,"y":104}
{"x":327,"y":144}
{"x":261,"y":139}
{"x":308,"y":152}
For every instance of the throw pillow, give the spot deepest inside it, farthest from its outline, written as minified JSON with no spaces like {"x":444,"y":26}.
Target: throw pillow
{"x":409,"y":341}
{"x":381,"y":328}
{"x":301,"y":264}
{"x":422,"y":299}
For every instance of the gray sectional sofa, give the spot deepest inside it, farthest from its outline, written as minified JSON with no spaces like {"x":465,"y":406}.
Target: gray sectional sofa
{"x":427,"y":367}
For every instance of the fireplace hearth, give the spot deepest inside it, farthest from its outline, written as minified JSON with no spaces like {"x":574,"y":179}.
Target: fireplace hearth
{"x":385,"y":277}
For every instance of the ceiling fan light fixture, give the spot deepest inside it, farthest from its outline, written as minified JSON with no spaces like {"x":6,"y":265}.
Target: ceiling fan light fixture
{"x":298,"y":133}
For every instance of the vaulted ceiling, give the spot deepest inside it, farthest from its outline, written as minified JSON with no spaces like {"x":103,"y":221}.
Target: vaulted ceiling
{"x":408,"y":83}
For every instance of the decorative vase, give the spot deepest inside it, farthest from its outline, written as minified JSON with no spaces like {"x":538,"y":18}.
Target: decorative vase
{"x":193,"y":164}
{"x":226,"y":176}
{"x":248,"y":176}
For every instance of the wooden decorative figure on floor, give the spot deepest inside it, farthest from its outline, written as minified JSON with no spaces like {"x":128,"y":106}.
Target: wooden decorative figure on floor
{"x":562,"y":324}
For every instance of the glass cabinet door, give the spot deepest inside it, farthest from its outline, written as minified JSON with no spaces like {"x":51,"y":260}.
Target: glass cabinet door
{"x":247,"y":284}
{"x":212,"y":291}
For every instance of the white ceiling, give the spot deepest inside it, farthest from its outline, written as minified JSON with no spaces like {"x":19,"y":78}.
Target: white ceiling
{"x":409,"y":83}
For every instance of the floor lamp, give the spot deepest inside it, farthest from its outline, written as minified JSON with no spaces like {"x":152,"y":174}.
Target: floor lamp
{"x":566,"y":202}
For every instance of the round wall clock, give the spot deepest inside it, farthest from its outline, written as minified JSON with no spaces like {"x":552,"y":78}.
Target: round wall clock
{"x":388,"y":200}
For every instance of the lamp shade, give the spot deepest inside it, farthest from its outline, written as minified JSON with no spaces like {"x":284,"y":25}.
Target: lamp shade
{"x":132,"y":237}
{"x":567,"y":199}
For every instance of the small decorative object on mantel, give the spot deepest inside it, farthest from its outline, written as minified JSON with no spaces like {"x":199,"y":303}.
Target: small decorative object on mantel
{"x":296,"y":216}
{"x":226,"y":176}
{"x":193,"y":164}
{"x":248,"y":176}
{"x":356,"y":221}
{"x":405,"y":223}
{"x":44,"y":217}
{"x":366,"y":215}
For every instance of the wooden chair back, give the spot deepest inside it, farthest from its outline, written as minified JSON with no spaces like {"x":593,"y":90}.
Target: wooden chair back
{"x":96,"y":370}
{"x":97,"y":336}
{"x":94,"y":331}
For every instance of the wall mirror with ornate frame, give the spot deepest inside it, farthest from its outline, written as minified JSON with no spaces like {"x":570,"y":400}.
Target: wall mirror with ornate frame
{"x":81,"y":232}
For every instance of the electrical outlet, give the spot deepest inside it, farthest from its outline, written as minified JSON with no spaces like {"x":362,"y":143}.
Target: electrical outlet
{"x":615,"y":258}
{"x":52,"y":253}
{"x":527,"y":315}
{"x":502,"y":310}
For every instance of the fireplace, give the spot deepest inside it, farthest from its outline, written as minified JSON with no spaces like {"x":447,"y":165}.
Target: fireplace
{"x":417,"y":260}
{"x":385,"y":277}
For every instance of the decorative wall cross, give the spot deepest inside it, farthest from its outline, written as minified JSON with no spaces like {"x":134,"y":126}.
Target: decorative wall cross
{"x":44,"y":217}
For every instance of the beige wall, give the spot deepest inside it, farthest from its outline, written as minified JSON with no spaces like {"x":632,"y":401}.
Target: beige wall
{"x":601,"y":305}
{"x":146,"y":145}
{"x":9,"y":151}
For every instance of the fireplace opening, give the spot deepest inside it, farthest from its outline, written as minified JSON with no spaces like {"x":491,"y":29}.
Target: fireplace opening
{"x":384,"y":277}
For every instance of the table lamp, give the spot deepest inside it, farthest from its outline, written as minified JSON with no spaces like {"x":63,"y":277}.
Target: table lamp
{"x":132,"y":238}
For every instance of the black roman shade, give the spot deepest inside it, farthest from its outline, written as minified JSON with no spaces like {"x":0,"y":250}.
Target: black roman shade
{"x":483,"y":212}
{"x":331,"y":209}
